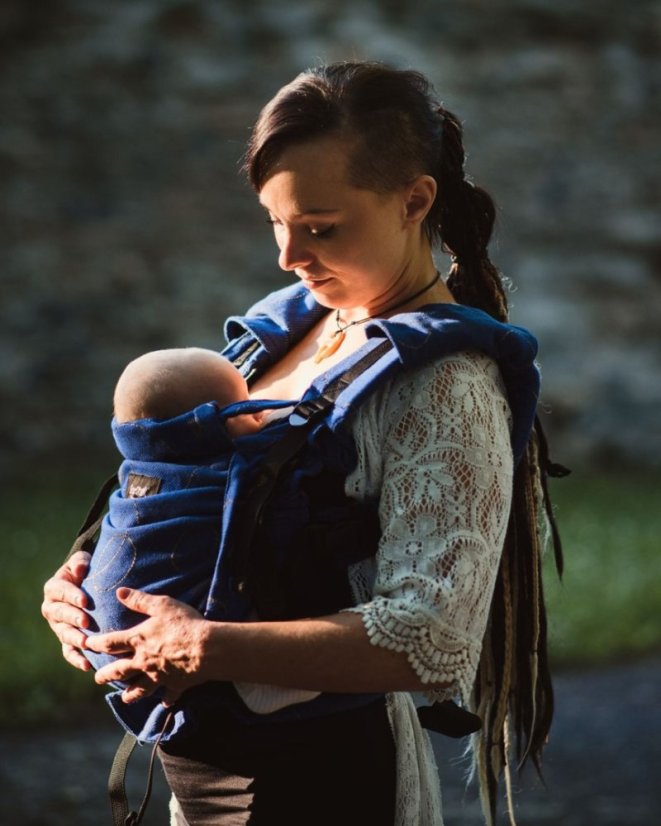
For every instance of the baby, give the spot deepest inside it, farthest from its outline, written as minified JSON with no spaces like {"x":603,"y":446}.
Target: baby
{"x":162,"y":530}
{"x":167,"y":383}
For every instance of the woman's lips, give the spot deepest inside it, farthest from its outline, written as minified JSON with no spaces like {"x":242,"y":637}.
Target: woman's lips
{"x":313,"y":282}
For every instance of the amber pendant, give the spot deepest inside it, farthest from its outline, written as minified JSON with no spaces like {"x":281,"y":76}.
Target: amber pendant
{"x":329,"y":347}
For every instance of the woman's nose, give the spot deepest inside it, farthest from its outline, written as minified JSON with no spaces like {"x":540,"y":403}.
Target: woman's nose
{"x":293,"y":251}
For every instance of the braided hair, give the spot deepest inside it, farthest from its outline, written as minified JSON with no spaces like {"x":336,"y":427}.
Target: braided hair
{"x":396,"y":131}
{"x":513,"y":693}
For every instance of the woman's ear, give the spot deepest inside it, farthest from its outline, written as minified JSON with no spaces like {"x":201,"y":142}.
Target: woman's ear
{"x":420,"y":195}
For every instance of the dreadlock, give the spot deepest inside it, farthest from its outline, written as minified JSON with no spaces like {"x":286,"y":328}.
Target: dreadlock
{"x":513,"y":691}
{"x":398,"y":131}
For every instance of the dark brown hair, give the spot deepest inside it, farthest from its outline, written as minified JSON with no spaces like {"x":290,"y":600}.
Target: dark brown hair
{"x":397,"y":130}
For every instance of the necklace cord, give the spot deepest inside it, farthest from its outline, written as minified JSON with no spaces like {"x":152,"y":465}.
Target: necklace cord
{"x":341,"y":327}
{"x":335,"y":340}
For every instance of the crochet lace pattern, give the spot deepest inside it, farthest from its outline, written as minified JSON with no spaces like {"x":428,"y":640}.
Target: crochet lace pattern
{"x":434,"y":448}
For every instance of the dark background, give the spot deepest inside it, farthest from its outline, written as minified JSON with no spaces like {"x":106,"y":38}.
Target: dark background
{"x":127,"y":226}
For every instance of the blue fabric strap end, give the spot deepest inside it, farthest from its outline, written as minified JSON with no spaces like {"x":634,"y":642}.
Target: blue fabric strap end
{"x":145,"y":718}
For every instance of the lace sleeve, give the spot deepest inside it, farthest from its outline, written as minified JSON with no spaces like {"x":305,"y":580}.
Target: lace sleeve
{"x":434,"y":446}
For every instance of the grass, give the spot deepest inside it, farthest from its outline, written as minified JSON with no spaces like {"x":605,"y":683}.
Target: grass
{"x":38,"y":526}
{"x":607,"y":607}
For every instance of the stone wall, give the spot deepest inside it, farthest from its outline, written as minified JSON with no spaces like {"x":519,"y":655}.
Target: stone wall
{"x":126,"y":225}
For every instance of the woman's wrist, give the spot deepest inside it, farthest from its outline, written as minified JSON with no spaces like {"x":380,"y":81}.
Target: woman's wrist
{"x":226,"y":651}
{"x":210,"y":639}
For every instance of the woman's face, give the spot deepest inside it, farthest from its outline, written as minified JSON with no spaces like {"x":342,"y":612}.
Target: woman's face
{"x":351,"y":247}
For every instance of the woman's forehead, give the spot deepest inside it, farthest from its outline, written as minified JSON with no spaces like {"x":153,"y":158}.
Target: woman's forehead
{"x":311,"y":178}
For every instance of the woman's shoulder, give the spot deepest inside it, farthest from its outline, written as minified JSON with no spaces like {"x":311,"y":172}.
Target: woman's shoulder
{"x":456,"y":379}
{"x":448,"y":374}
{"x":453,"y":400}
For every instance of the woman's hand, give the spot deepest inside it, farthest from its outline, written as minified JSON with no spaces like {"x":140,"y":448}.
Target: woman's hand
{"x":63,"y":608}
{"x":165,"y":651}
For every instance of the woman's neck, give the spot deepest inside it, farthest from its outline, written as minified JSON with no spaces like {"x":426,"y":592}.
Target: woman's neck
{"x":410,"y":290}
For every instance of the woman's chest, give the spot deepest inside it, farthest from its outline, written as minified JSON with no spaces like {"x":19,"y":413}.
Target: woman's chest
{"x":292,"y":375}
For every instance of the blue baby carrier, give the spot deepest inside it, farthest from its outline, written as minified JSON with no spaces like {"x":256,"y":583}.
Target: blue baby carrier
{"x":260,"y":525}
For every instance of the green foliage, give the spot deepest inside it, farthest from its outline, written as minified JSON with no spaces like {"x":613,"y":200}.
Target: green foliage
{"x":38,"y":526}
{"x":607,"y":605}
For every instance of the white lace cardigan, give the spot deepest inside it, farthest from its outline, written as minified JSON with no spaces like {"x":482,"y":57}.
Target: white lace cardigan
{"x":434,"y":445}
{"x":434,"y":448}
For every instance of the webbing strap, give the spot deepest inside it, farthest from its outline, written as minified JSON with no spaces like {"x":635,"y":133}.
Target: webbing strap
{"x":116,"y":781}
{"x":121,"y":815}
{"x":341,"y":382}
{"x":555,"y":471}
{"x":85,"y":537}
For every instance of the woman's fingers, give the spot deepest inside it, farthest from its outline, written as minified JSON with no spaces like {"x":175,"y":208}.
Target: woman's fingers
{"x":126,"y":641}
{"x":61,"y":615}
{"x":143,"y":603}
{"x":133,"y":694}
{"x":72,"y":571}
{"x":63,"y":607}
{"x":78,"y":565}
{"x":140,"y":688}
{"x":161,"y":653}
{"x":114,"y":642}
{"x":63,"y":598}
{"x":140,"y":684}
{"x":73,"y":656}
{"x":69,"y":635}
{"x":145,"y":686}
{"x":58,"y":589}
{"x":119,"y":671}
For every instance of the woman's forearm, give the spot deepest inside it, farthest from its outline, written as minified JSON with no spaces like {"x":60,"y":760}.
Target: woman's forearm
{"x":176,"y":648}
{"x":326,"y":654}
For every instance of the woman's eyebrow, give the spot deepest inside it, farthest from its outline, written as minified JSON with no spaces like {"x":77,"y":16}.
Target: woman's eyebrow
{"x":307,"y":212}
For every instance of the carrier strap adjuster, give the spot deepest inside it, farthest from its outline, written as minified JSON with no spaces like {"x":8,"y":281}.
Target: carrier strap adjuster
{"x":307,"y":411}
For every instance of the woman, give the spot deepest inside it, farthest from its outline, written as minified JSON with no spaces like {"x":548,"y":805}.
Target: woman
{"x":360,"y":172}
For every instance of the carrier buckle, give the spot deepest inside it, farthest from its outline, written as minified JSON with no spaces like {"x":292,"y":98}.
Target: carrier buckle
{"x":309,"y":410}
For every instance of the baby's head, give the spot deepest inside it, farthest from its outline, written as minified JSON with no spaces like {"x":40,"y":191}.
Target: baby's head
{"x":167,"y":383}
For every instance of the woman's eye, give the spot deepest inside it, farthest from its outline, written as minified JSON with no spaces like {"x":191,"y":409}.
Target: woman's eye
{"x":316,"y":232}
{"x":322,"y":232}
